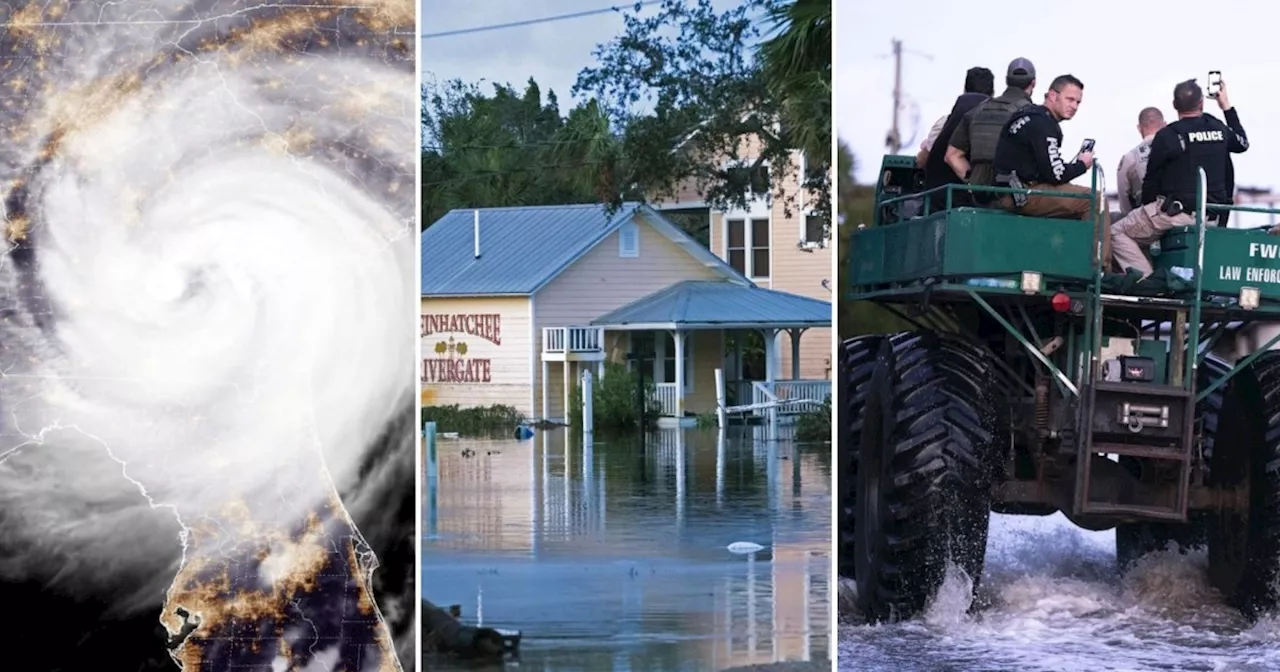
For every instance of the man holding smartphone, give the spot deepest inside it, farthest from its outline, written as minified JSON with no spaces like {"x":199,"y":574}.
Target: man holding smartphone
{"x":1196,"y":140}
{"x":1029,"y":154}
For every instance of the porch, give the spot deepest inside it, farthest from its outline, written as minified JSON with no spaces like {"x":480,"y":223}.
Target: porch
{"x":678,"y":338}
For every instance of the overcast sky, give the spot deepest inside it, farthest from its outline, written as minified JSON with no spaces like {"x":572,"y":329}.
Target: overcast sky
{"x":1128,"y":54}
{"x":552,"y":53}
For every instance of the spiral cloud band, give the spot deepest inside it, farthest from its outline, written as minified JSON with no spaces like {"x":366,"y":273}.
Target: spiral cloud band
{"x":206,"y":309}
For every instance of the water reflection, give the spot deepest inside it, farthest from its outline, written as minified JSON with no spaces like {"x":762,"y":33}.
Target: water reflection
{"x":612,"y":554}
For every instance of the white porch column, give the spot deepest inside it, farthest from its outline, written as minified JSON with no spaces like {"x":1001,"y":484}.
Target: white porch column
{"x":770,"y":373}
{"x":771,"y":363}
{"x":795,"y":352}
{"x":546,"y":390}
{"x":678,"y":336}
{"x":600,"y":370}
{"x":568,"y":382}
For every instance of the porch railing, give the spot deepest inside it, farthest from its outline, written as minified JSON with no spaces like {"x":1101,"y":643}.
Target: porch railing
{"x":667,"y":398}
{"x":573,"y":339}
{"x":793,"y":396}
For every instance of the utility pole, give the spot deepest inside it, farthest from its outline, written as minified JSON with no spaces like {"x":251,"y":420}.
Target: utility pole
{"x":894,"y":140}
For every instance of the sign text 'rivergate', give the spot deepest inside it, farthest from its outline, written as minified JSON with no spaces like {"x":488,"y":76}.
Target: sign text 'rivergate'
{"x":453,"y":363}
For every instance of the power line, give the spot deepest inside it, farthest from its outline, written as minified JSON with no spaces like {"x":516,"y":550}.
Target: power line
{"x":530,"y":22}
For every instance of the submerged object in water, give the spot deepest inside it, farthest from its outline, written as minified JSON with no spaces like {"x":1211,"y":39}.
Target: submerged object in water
{"x":745,"y":547}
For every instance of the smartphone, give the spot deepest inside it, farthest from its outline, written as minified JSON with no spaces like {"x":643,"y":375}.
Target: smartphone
{"x":1215,"y":83}
{"x":1086,"y":146}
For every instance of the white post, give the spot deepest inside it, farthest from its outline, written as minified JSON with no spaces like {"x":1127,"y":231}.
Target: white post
{"x":770,"y":367}
{"x":568,"y":383}
{"x":679,"y":339}
{"x":720,"y":396}
{"x":546,"y":390}
{"x":475,"y":225}
{"x":795,"y":352}
{"x":588,"y":421}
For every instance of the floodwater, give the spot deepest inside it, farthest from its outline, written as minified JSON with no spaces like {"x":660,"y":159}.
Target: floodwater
{"x":1057,"y":604}
{"x":613,"y":556}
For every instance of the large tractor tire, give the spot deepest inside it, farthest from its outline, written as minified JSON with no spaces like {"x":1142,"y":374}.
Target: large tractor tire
{"x":857,"y":362}
{"x":930,"y":428}
{"x":1134,"y":540}
{"x":1244,"y":544}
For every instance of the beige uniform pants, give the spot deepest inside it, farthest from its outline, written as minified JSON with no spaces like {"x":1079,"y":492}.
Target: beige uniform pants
{"x":1138,"y":230}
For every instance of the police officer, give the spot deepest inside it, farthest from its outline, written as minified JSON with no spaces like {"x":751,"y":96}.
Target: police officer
{"x":1133,"y":165}
{"x":977,"y":80}
{"x":979,"y":84}
{"x":1029,"y":156}
{"x":972,"y":148}
{"x":1196,"y":140}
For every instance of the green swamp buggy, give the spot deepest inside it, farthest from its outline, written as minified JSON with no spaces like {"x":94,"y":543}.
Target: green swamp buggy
{"x":1036,"y":382}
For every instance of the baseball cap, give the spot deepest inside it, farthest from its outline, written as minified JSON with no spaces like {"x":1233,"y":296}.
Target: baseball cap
{"x":1021,"y":69}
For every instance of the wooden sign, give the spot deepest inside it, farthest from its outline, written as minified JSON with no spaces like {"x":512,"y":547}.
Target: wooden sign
{"x":448,"y":361}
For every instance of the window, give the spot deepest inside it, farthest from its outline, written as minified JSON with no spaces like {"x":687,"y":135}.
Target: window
{"x":813,"y":170}
{"x":662,"y":347}
{"x":642,"y":344}
{"x":629,"y":241}
{"x":814,"y":231}
{"x":759,"y":248}
{"x":748,"y":246}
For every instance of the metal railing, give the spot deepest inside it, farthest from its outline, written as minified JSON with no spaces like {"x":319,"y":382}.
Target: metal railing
{"x":790,"y":397}
{"x":668,"y":398}
{"x":1097,"y":186}
{"x":573,"y":339}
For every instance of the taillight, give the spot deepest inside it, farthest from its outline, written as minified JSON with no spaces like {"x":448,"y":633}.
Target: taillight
{"x":1061,"y":302}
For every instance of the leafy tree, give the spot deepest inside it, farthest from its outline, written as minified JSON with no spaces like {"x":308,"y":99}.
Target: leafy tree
{"x":857,"y":207}
{"x":510,"y":148}
{"x":688,"y":86}
{"x":797,"y":64}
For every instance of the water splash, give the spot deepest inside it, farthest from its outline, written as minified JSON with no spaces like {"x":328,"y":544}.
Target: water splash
{"x":1051,"y":600}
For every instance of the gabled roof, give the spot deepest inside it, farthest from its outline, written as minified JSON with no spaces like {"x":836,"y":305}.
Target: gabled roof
{"x":694,"y":304}
{"x":524,"y":248}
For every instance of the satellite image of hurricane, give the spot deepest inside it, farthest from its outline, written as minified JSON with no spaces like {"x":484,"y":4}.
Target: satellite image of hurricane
{"x":207,"y":310}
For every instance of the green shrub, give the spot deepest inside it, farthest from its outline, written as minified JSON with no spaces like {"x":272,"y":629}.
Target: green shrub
{"x":815,"y":425}
{"x":476,"y":421}
{"x":614,"y":402}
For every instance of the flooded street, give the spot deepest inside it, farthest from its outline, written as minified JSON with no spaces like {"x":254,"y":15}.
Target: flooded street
{"x":614,"y":556}
{"x":1054,"y":602}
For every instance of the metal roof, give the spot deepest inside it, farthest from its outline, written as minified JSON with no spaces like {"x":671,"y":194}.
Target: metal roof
{"x":521,"y":248}
{"x":694,"y":304}
{"x":524,"y":248}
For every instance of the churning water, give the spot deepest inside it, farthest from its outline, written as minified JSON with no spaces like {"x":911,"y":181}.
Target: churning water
{"x":1052,"y":600}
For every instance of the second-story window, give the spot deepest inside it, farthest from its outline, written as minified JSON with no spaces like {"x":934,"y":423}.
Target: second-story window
{"x":813,"y":230}
{"x":748,"y":246}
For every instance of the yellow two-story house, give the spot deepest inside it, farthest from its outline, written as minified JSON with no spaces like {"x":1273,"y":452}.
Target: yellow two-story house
{"x":518,"y":302}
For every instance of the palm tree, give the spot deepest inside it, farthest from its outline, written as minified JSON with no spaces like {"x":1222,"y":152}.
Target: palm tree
{"x":796,"y":64}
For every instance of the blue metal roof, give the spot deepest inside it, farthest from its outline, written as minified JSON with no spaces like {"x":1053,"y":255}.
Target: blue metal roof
{"x":719,"y":304}
{"x":521,"y":248}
